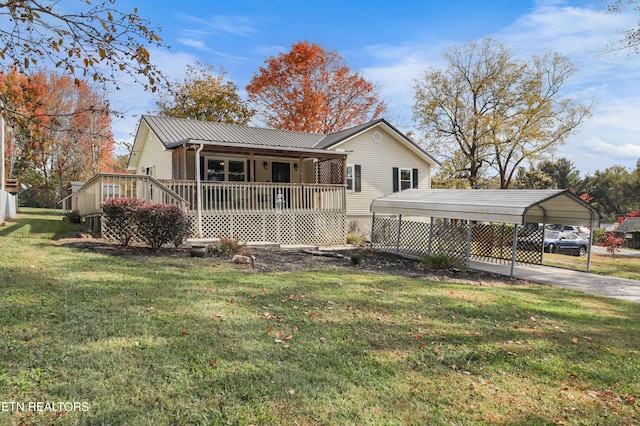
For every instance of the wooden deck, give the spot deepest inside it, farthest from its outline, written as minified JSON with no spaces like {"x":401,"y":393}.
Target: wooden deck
{"x":272,"y":212}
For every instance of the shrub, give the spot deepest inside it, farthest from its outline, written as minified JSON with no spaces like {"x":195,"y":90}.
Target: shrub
{"x":73,"y":217}
{"x":439,"y":261}
{"x":613,"y":243}
{"x":356,"y":259}
{"x":120,"y":217}
{"x":355,"y":239}
{"x":228,"y":247}
{"x":160,"y":224}
{"x":599,"y":235}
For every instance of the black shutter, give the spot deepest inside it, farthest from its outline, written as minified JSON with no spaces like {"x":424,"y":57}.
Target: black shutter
{"x":356,"y":178}
{"x":415,"y":178}
{"x":248,"y":171}
{"x":202,"y":170}
{"x":396,"y":176}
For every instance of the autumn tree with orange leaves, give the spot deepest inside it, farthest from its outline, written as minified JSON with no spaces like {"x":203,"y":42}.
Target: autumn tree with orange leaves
{"x":312,"y":90}
{"x":59,"y":131}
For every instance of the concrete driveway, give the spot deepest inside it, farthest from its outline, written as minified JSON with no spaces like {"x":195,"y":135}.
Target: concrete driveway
{"x":619,"y":288}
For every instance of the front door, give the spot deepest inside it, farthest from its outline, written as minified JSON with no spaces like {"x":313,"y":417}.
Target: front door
{"x":280,"y":172}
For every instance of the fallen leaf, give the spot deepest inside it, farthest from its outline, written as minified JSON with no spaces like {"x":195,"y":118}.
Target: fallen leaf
{"x":184,"y":333}
{"x":574,"y":340}
{"x":292,"y":393}
{"x":213,"y":362}
{"x":608,"y":392}
{"x":288,"y":336}
{"x":277,"y":341}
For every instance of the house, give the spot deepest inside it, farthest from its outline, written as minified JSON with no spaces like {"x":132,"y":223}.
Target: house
{"x":258,"y":184}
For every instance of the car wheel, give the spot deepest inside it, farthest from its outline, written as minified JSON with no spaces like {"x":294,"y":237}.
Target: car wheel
{"x":582,"y":251}
{"x":552,"y":248}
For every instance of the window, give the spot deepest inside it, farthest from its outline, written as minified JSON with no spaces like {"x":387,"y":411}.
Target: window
{"x":236,"y":170}
{"x":220,"y":170}
{"x":406,"y":181}
{"x":349,"y":177}
{"x":215,"y":170}
{"x":404,"y":178}
{"x":353,"y":177}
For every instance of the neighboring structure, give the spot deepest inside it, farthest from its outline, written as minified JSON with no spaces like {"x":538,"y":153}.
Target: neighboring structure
{"x":257,"y":184}
{"x":629,"y":229}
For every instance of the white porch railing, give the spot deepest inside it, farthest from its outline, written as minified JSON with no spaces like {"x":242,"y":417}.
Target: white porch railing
{"x":105,"y":186}
{"x":246,"y":197}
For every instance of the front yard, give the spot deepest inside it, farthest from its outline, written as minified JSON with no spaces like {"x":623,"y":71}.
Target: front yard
{"x":179,"y":340}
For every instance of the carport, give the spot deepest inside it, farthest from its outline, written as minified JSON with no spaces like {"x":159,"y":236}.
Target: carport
{"x":521,"y":208}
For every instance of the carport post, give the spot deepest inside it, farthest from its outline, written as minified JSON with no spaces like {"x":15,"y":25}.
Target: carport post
{"x":514,"y":248}
{"x":399,"y":231}
{"x":431,"y":236}
{"x":467,"y":255}
{"x":373,"y":225}
{"x":590,"y":244}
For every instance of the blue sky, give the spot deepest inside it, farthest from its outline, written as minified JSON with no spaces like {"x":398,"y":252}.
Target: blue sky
{"x":393,"y":43}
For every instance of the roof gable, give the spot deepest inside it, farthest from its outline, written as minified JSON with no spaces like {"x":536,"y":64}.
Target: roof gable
{"x":333,"y":140}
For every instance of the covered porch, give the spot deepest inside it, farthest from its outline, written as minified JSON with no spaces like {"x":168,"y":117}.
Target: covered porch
{"x":283,"y":196}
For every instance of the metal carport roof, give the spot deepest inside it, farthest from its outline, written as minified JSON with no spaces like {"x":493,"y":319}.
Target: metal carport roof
{"x":517,"y":206}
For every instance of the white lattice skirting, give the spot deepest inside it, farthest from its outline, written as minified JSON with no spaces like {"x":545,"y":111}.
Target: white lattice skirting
{"x":326,"y":228}
{"x":281,"y":228}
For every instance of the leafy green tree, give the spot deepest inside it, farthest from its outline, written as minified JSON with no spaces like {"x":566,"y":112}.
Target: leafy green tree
{"x":533,"y":178}
{"x":562,"y":172}
{"x":207,"y":96}
{"x":613,"y":190}
{"x":494,"y":111}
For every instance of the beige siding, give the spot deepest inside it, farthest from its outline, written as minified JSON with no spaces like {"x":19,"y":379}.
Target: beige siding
{"x":377,"y":160}
{"x":154,"y":155}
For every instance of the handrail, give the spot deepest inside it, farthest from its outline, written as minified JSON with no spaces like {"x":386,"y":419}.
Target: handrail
{"x":110,"y":185}
{"x":232,"y":197}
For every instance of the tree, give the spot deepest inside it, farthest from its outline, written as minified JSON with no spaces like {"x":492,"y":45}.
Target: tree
{"x":204,"y":95}
{"x":310,"y":89}
{"x":562,"y":172}
{"x":60,"y":132}
{"x":495,"y":111}
{"x":631,"y":38}
{"x":82,"y":42}
{"x":613,"y":190}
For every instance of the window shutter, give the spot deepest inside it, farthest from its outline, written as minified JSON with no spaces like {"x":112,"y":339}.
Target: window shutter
{"x":415,"y":178}
{"x":396,"y":178}
{"x":202,"y":170}
{"x":356,"y":178}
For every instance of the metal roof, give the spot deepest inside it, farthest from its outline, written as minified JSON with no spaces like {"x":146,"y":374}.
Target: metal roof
{"x":501,"y":205}
{"x":174,"y":132}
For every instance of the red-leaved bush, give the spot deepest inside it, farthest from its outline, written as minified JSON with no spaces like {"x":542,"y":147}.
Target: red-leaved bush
{"x":159,"y":224}
{"x":131,"y":219}
{"x":119,"y":216}
{"x":613,"y":243}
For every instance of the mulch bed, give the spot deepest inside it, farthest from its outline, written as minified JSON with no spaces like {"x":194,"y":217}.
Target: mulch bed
{"x":288,"y":260}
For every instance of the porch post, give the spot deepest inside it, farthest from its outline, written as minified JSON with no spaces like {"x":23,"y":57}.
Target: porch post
{"x":199,"y":189}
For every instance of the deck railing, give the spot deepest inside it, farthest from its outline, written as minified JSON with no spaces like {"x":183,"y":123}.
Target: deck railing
{"x":105,"y":186}
{"x":243,"y":197}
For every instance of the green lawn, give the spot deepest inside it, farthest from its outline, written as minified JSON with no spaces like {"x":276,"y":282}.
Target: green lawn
{"x":602,"y":264}
{"x":176,"y":340}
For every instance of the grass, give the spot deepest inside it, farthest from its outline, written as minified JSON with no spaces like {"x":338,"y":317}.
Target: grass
{"x":602,"y":264}
{"x":177,"y":340}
